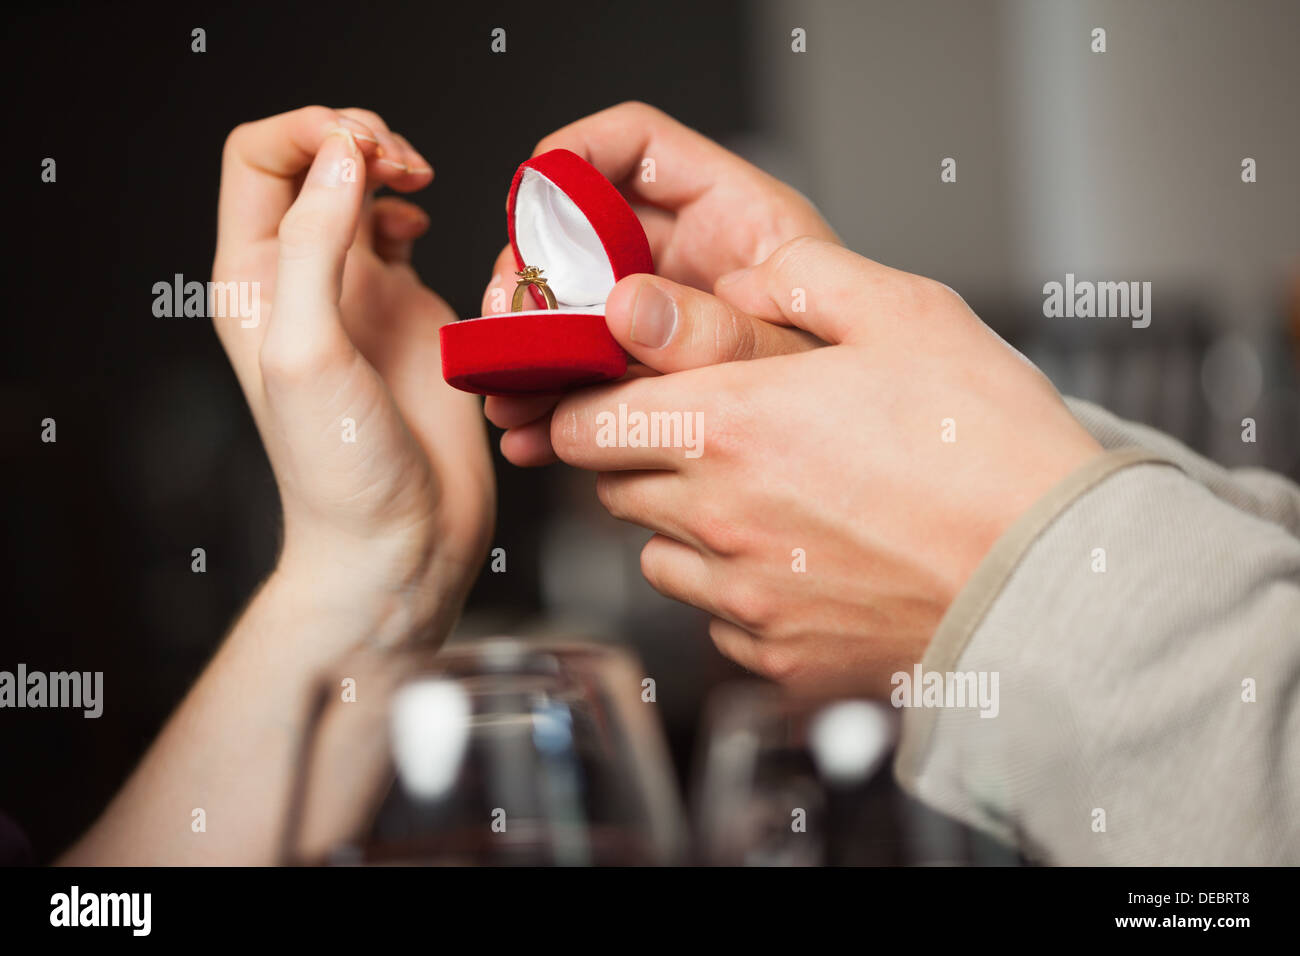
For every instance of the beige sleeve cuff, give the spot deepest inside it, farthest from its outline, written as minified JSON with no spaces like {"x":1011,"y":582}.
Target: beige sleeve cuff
{"x":973,"y":602}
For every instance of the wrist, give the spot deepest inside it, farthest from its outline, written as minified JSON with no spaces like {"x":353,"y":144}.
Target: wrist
{"x":1013,"y":494}
{"x":383,"y":586}
{"x":336,"y":603}
{"x":966,"y":613}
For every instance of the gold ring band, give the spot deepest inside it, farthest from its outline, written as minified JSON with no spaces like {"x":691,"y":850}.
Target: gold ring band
{"x":531,"y":276}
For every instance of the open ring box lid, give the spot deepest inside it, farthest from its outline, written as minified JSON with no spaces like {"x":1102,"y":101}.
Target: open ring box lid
{"x":567,"y":219}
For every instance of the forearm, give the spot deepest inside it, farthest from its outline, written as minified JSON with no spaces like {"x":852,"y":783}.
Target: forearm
{"x":230,"y":748}
{"x":1148,"y":705}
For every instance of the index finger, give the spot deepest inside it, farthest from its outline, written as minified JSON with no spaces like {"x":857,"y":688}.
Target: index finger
{"x":261,"y":162}
{"x":638,"y":424}
{"x":618,"y":142}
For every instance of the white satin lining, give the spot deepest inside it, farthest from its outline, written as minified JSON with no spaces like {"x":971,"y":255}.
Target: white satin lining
{"x":553,"y":234}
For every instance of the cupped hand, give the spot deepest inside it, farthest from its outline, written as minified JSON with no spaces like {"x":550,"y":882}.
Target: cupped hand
{"x":383,"y":470}
{"x":825,"y":506}
{"x":706,"y":212}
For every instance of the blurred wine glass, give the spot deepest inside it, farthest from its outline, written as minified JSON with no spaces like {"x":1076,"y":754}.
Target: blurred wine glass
{"x":494,"y":752}
{"x":784,"y":780}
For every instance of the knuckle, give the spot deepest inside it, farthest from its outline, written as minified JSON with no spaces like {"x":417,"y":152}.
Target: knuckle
{"x":291,"y":364}
{"x":612,"y":494}
{"x":724,"y":639}
{"x":302,"y":230}
{"x":235,"y":139}
{"x":637,"y":108}
{"x":777,"y":662}
{"x":318,"y":114}
{"x":564,"y":431}
{"x":652,"y":565}
{"x":719,"y":533}
{"x":915,"y":297}
{"x":728,"y":430}
{"x":791,"y":254}
{"x":749,"y":605}
{"x":369,"y":117}
{"x":737,"y":337}
{"x":930,"y":294}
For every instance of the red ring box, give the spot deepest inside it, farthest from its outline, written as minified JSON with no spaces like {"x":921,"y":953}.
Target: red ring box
{"x":567,"y":219}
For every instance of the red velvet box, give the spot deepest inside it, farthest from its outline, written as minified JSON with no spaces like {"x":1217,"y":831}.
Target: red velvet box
{"x":567,"y":219}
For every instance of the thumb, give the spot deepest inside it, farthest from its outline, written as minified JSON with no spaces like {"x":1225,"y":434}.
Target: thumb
{"x":671,"y":327}
{"x":315,"y":235}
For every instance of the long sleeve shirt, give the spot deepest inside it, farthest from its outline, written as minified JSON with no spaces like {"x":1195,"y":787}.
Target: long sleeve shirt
{"x":1144,"y":622}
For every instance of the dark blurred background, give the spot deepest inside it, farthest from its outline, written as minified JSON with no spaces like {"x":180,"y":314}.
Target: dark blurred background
{"x":1122,"y":166}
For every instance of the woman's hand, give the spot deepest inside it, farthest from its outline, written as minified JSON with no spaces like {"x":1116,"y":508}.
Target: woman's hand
{"x":705,"y":210}
{"x":383,"y":469}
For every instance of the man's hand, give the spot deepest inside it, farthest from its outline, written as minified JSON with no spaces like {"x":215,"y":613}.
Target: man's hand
{"x":705,"y":210}
{"x":383,"y":469}
{"x":842,"y":495}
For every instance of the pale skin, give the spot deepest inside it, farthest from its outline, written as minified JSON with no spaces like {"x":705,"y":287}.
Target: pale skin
{"x":382,"y":536}
{"x":837,"y":453}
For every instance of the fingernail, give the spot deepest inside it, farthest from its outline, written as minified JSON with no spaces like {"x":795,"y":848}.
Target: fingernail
{"x":394,"y":163}
{"x":415,"y":163}
{"x":654,"y":317}
{"x":336,"y":162}
{"x":344,"y":134}
{"x":359,"y":130}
